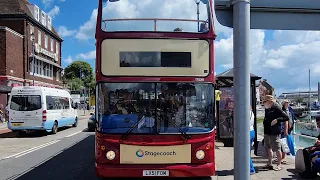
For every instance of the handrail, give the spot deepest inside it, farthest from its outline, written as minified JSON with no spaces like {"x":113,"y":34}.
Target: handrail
{"x":150,"y":19}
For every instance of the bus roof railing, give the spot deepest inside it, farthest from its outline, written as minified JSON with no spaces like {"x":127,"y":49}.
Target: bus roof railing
{"x":150,"y":19}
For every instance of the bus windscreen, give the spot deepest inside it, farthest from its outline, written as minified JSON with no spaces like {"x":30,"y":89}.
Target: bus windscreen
{"x":156,"y":107}
{"x":163,"y":15}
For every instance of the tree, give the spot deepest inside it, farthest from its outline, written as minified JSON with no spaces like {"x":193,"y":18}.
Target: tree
{"x":79,"y":74}
{"x":75,"y":84}
{"x":299,"y":100}
{"x":78,"y":69}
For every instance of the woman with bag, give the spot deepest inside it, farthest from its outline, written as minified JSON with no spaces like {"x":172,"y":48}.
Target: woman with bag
{"x":286,"y":129}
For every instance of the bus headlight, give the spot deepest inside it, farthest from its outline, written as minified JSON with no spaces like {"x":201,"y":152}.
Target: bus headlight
{"x":110,"y":155}
{"x":200,"y":154}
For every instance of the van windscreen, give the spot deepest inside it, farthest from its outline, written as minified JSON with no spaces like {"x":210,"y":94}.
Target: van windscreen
{"x":25,"y":102}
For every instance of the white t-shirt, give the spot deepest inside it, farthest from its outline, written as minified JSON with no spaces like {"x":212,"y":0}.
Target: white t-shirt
{"x":251,"y":121}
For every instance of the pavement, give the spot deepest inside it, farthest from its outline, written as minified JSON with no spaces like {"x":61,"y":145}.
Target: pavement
{"x":69,"y":155}
{"x":225,"y":168}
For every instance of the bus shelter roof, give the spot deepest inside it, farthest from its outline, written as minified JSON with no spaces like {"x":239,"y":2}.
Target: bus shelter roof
{"x":225,"y":79}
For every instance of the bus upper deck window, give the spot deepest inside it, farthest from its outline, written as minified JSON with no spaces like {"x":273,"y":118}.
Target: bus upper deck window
{"x":164,"y":15}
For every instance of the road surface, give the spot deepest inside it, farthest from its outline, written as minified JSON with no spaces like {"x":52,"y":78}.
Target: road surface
{"x":67,"y":155}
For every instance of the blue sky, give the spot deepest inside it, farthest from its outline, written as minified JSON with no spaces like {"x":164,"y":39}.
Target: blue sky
{"x":281,"y":57}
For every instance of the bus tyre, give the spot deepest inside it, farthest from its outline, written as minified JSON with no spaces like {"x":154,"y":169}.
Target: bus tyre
{"x":75,"y":123}
{"x":55,"y":128}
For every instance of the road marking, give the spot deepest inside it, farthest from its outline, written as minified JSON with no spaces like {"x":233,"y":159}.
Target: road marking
{"x":73,"y":134}
{"x":44,"y":161}
{"x":31,"y":150}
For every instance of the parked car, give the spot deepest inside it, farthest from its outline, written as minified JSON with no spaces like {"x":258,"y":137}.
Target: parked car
{"x":92,"y":123}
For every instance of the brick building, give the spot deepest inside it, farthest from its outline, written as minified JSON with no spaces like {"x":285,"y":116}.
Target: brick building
{"x":18,"y":21}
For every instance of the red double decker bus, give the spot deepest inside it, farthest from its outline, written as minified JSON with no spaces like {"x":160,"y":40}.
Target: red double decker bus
{"x":155,"y":88}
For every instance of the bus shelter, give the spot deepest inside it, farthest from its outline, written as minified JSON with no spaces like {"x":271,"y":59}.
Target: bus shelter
{"x":224,"y":106}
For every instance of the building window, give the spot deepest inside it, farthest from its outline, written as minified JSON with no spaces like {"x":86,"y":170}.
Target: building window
{"x":57,"y":47}
{"x":31,"y":29}
{"x":45,"y":41}
{"x":39,"y":37}
{"x":42,"y":69}
{"x":57,"y":75}
{"x":51,"y":44}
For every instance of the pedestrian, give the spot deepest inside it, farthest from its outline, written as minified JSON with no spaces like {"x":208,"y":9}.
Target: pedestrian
{"x":272,"y":130}
{"x":289,"y":124}
{"x":2,"y":118}
{"x":289,"y":111}
{"x":308,"y":173}
{"x":252,"y":136}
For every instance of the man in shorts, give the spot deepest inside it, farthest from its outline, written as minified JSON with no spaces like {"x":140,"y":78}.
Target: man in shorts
{"x":272,"y":130}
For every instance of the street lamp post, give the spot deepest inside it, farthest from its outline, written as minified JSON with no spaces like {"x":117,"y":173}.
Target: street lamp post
{"x":198,"y":13}
{"x":33,"y":57}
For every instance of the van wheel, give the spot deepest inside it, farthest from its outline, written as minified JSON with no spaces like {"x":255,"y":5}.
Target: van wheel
{"x":21,"y":133}
{"x":55,"y":128}
{"x":75,"y":123}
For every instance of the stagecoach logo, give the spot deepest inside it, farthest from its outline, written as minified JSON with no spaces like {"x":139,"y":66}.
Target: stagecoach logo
{"x":139,"y":153}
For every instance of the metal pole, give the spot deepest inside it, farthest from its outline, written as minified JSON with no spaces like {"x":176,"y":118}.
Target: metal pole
{"x":89,"y":98}
{"x":318,"y":92}
{"x":309,"y":96}
{"x":241,"y":31}
{"x":198,"y":15}
{"x":33,"y":59}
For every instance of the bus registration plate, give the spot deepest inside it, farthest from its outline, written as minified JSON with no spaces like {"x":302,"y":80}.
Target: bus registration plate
{"x":16,"y":124}
{"x":155,"y":172}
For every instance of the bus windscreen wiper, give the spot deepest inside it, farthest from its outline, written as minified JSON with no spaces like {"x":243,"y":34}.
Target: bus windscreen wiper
{"x":184,"y":134}
{"x":126,"y":134}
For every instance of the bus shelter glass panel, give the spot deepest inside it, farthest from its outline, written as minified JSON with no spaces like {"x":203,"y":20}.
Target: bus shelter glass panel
{"x":156,"y":15}
{"x":156,"y":107}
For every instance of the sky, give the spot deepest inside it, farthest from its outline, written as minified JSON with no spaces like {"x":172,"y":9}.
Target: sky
{"x":282,"y":57}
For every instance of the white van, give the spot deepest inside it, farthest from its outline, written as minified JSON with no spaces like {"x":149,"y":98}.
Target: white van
{"x":40,"y":108}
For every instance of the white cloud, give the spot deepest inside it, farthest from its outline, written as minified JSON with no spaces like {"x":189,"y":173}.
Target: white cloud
{"x":68,"y":60}
{"x":87,"y":56}
{"x":64,"y":32}
{"x":47,"y":3}
{"x":282,"y":57}
{"x":54,"y":12}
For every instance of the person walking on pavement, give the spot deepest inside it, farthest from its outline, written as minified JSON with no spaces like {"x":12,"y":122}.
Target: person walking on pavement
{"x":2,"y":119}
{"x":252,"y":136}
{"x":289,"y":125}
{"x":272,"y":130}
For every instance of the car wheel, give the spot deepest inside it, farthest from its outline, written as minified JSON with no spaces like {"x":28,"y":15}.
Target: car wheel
{"x":75,"y":123}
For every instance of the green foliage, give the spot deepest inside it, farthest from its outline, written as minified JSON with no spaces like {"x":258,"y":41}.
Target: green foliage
{"x":78,"y":75}
{"x":299,"y":100}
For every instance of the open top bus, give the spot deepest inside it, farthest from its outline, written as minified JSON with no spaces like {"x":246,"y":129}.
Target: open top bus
{"x":155,"y":88}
